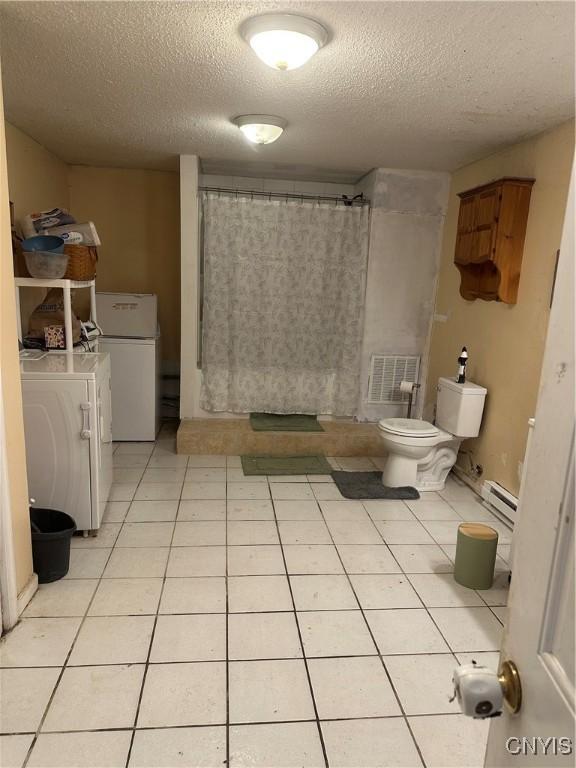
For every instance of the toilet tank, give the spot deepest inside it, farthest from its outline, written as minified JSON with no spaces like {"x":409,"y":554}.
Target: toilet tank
{"x":459,"y":407}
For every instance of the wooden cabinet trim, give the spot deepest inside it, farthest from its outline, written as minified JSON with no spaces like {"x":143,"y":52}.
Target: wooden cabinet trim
{"x":523,"y":182}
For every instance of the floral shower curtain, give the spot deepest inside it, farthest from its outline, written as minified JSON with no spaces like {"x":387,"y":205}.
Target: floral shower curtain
{"x":284,"y":289}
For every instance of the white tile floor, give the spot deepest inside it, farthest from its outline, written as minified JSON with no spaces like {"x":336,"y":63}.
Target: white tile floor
{"x":263,"y":622}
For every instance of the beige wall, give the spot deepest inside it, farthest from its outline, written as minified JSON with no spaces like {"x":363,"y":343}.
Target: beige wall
{"x":37,"y":181}
{"x":11,"y":392}
{"x":137,"y":214}
{"x":505,"y":342}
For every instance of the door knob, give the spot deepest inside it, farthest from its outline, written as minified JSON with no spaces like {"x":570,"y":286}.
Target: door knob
{"x":509,"y":679}
{"x":482,"y":692}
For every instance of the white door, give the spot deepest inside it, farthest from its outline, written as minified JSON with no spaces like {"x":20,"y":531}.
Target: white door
{"x":539,"y":634}
{"x":57,"y":456}
{"x":134,"y":387}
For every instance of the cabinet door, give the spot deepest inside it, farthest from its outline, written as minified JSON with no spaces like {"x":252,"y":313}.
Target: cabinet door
{"x":487,"y":206}
{"x":490,"y":237}
{"x":466,"y":245}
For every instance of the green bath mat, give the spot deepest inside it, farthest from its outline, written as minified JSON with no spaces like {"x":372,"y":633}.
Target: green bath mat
{"x":368,"y":485}
{"x":285,"y":465}
{"x":284,"y":422}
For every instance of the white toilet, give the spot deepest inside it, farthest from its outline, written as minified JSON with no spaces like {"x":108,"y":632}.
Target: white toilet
{"x":421,"y":454}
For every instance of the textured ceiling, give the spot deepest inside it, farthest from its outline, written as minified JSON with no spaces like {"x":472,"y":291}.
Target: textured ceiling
{"x":428,"y":85}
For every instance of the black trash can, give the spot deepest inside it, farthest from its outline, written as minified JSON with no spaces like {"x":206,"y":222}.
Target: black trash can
{"x":51,"y":534}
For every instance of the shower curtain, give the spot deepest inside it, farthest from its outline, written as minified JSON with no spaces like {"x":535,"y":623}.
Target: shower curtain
{"x":284,"y":287}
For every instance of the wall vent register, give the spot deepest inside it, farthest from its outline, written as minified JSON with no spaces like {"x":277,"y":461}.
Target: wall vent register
{"x":386,"y":373}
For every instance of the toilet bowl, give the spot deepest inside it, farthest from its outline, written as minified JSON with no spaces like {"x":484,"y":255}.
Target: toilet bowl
{"x":421,"y":454}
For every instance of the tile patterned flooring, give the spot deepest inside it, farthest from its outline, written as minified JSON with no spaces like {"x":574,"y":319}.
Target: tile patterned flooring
{"x":251,"y":621}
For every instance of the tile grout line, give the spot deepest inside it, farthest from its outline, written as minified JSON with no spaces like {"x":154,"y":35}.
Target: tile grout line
{"x":80,"y":626}
{"x":476,"y":592}
{"x":65,"y":665}
{"x":240,"y":613}
{"x":452,"y":652}
{"x":83,"y":618}
{"x":425,"y":607}
{"x":298,"y":629}
{"x":403,"y":572}
{"x":278,"y":658}
{"x":155,"y":622}
{"x":119,"y":729}
{"x":68,"y":655}
{"x":389,"y":678}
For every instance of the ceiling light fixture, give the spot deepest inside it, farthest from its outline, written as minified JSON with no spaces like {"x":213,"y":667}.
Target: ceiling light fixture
{"x":261,"y":129}
{"x":284,"y":41}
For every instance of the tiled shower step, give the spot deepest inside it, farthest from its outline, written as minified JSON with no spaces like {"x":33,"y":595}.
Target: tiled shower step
{"x":236,"y":437}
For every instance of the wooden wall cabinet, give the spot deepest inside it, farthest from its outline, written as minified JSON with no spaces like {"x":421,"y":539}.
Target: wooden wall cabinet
{"x":490,"y":239}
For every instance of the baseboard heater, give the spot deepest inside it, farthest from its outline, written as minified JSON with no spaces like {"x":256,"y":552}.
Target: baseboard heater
{"x":501,"y":501}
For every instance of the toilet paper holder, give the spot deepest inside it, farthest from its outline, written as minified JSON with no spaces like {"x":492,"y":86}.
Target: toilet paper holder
{"x":410,"y":388}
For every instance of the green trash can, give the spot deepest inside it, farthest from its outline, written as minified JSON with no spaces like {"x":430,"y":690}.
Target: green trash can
{"x":475,"y":555}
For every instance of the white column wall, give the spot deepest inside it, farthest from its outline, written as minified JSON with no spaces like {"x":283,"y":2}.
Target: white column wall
{"x":406,"y":224}
{"x":189,"y":262}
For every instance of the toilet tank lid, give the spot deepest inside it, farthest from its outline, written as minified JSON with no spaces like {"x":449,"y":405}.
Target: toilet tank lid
{"x":468,"y":388}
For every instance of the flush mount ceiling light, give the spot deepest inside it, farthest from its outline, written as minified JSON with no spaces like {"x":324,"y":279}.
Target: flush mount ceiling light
{"x":261,"y":129}
{"x":284,"y":41}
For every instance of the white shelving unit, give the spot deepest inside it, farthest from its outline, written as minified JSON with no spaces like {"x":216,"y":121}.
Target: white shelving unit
{"x":67,"y":287}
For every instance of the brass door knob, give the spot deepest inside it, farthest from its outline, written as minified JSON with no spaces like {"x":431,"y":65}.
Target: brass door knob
{"x":509,"y":679}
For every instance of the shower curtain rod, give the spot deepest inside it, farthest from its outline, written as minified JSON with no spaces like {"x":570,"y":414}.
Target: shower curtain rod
{"x":286,"y":195}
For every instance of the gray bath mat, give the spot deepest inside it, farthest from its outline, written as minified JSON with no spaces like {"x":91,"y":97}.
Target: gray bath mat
{"x":285,"y":465}
{"x":368,"y":485}
{"x":284,"y":422}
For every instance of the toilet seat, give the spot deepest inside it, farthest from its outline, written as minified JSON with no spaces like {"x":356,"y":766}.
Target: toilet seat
{"x":413,"y":428}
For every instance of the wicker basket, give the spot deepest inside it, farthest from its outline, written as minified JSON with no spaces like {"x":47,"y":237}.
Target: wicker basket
{"x":82,"y":260}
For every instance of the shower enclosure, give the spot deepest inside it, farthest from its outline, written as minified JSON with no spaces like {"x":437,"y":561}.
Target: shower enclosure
{"x":282,"y":302}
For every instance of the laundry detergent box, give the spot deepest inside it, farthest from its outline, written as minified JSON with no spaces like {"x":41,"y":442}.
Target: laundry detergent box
{"x":37,"y":223}
{"x":77,"y":234}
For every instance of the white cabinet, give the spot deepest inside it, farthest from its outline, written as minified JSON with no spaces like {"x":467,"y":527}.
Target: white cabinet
{"x":135,"y":366}
{"x":67,"y":422}
{"x":129,"y":322}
